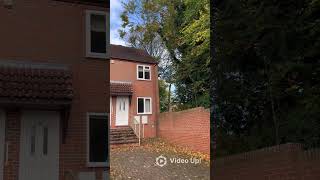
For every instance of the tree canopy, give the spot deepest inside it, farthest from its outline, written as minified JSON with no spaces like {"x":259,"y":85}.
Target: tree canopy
{"x":267,"y":74}
{"x":177,"y":33}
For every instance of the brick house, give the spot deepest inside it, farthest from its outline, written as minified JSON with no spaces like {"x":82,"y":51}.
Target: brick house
{"x":54,"y":89}
{"x":134,"y":94}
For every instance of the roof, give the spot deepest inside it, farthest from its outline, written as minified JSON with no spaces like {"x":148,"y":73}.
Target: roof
{"x":121,"y":88}
{"x":27,"y":84}
{"x":131,"y":54}
{"x":101,"y":3}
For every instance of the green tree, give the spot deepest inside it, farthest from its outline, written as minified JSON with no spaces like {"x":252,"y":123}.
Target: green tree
{"x":193,"y":70}
{"x":267,"y":74}
{"x":180,"y":31}
{"x":163,"y":96}
{"x":143,"y":27}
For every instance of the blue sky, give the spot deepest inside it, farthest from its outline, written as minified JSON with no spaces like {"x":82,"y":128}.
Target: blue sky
{"x":115,"y":21}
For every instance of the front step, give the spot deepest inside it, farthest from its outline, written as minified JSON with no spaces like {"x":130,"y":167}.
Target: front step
{"x":123,"y":136}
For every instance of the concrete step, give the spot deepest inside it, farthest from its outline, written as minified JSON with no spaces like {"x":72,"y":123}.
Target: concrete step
{"x":122,"y":132}
{"x":124,"y":141}
{"x":121,"y":138}
{"x":123,"y":135}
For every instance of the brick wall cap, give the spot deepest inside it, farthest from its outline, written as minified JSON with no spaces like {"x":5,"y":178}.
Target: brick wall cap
{"x":187,"y":110}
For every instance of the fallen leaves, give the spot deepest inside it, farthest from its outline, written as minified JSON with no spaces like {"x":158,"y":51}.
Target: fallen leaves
{"x":160,"y":146}
{"x":130,"y":161}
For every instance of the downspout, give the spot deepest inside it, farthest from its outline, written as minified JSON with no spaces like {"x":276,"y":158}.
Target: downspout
{"x":157,"y":100}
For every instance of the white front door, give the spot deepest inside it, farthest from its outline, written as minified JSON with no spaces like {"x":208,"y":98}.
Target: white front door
{"x":2,"y":142}
{"x":122,"y":111}
{"x":39,"y":145}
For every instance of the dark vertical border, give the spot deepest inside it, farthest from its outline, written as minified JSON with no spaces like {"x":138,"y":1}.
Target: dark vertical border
{"x":213,"y":119}
{"x":108,"y":87}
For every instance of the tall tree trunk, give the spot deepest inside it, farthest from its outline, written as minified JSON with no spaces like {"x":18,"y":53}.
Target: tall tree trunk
{"x":274,"y":117}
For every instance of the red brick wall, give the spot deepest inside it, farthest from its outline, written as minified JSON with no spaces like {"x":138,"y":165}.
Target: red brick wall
{"x":189,"y":128}
{"x":287,"y":161}
{"x":13,"y":137}
{"x":309,"y":165}
{"x":122,"y":70}
{"x":48,"y":31}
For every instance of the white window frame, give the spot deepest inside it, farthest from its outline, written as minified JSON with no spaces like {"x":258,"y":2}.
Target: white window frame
{"x":144,"y":67}
{"x":111,"y":111}
{"x":88,"y":34}
{"x":144,"y":103}
{"x":111,"y":108}
{"x":95,"y":164}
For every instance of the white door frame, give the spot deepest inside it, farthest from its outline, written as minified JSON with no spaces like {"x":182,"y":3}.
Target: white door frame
{"x":2,"y":141}
{"x":122,"y":111}
{"x":39,"y":145}
{"x":110,"y":117}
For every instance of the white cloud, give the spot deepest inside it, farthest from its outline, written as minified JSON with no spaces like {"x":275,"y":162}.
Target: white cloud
{"x":115,"y":22}
{"x":116,"y":4}
{"x":115,"y":38}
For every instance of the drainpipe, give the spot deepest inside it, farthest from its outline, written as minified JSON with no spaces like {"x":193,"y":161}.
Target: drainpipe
{"x":157,"y":101}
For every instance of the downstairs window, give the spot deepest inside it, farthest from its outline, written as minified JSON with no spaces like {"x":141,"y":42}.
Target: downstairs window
{"x":144,"y":105}
{"x":98,"y":149}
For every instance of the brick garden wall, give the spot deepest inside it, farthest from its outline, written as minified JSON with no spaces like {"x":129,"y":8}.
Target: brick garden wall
{"x":284,"y":162}
{"x":189,"y":128}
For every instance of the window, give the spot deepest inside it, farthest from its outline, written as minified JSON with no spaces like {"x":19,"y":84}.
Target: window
{"x":110,"y":104}
{"x":96,"y":32}
{"x":122,"y":105}
{"x":33,"y":140}
{"x":143,"y":72}
{"x":98,"y":139}
{"x":144,"y":105}
{"x":45,"y":141}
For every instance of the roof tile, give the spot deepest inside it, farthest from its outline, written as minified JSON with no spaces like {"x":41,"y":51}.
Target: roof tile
{"x":131,"y":54}
{"x":32,"y":84}
{"x":121,"y":88}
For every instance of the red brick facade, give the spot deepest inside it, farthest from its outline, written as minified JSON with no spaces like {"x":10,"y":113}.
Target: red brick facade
{"x":189,"y":128}
{"x":288,"y":161}
{"x":12,"y":136}
{"x":53,"y":32}
{"x":124,"y":70}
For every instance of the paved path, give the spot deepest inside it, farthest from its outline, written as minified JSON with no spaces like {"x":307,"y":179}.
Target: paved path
{"x":139,"y":163}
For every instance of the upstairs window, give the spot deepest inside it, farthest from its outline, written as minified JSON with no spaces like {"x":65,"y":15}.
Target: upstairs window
{"x":96,"y":32}
{"x":143,"y":72}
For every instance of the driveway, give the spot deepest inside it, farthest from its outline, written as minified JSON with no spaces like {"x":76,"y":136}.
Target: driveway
{"x":139,"y":163}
